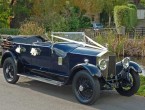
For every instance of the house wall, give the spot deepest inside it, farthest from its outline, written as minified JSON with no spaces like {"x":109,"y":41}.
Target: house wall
{"x":141,"y":13}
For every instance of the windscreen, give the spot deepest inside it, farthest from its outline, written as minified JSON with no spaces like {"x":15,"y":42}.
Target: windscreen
{"x":69,"y":36}
{"x":75,"y":37}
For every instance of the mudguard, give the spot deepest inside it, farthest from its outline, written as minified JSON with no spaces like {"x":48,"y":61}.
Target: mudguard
{"x":7,"y":54}
{"x":132,"y":65}
{"x":18,"y":63}
{"x":92,"y":69}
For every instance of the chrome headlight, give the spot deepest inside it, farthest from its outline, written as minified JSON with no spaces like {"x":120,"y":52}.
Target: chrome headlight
{"x":102,"y":64}
{"x":125,"y":62}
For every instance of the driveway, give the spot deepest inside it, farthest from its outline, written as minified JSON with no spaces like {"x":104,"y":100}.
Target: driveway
{"x":33,"y":95}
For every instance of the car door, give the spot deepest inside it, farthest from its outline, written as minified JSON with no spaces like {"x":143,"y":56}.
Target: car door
{"x":42,"y":61}
{"x":47,"y":62}
{"x":23,"y":51}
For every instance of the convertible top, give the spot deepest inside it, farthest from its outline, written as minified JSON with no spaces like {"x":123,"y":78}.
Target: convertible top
{"x":25,"y":39}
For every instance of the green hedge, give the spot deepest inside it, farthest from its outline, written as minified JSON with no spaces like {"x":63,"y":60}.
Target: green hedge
{"x":125,"y":15}
{"x":9,"y":31}
{"x":133,"y":14}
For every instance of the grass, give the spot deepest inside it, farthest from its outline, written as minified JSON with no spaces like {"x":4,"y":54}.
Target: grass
{"x":141,"y":90}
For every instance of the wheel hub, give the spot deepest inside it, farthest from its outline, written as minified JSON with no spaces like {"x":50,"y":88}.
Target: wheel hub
{"x":81,"y":88}
{"x":7,"y":70}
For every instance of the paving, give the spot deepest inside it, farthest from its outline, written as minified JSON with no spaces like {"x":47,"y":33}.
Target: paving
{"x":33,"y":95}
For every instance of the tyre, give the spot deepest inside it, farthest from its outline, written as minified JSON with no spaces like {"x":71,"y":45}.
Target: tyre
{"x":85,"y":87}
{"x":131,"y":87}
{"x":10,"y":71}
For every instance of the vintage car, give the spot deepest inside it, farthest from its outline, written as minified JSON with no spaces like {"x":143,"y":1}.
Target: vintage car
{"x":69,"y":58}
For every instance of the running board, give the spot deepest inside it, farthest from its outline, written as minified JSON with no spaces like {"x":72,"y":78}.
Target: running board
{"x":41,"y":79}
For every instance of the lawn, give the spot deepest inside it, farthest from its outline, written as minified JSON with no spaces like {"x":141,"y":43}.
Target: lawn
{"x":141,"y":90}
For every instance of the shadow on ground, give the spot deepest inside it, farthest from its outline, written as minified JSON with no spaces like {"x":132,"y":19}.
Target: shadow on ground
{"x":107,"y":98}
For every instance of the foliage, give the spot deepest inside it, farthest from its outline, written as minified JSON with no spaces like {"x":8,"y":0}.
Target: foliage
{"x":70,"y":18}
{"x":4,"y":13}
{"x":142,"y":2}
{"x":123,"y":45}
{"x":44,"y":11}
{"x":121,"y":16}
{"x":109,"y":7}
{"x":141,"y":90}
{"x":31,"y":28}
{"x":21,"y":11}
{"x":9,"y":31}
{"x":133,"y":14}
{"x":91,"y":6}
{"x":114,"y":44}
{"x":125,"y":16}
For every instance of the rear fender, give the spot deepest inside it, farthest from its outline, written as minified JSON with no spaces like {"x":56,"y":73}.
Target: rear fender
{"x":7,"y":54}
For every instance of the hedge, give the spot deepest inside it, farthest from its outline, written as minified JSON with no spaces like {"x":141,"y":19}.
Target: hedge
{"x":125,"y":15}
{"x":9,"y":31}
{"x":133,"y":14}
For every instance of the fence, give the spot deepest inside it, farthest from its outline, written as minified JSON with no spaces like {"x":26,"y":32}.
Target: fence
{"x":137,"y":32}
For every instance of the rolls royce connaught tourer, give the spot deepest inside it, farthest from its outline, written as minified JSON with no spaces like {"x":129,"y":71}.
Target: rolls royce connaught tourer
{"x":69,"y":58}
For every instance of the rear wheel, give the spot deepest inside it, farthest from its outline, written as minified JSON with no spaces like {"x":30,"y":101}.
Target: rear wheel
{"x":129,"y":86}
{"x":85,"y":87}
{"x":10,"y":71}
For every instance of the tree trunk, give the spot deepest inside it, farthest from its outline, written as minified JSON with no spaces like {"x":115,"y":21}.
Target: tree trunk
{"x":110,"y":19}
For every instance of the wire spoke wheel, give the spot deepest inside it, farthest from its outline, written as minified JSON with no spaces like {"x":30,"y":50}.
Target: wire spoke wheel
{"x":85,"y":87}
{"x":130,"y":85}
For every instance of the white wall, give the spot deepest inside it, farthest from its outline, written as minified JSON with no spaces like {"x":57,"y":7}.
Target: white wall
{"x":141,"y":14}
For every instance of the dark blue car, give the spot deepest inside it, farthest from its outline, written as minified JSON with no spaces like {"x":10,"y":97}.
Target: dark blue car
{"x":69,"y":58}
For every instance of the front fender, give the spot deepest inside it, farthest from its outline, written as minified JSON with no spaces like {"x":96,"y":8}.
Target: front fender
{"x":132,"y":65}
{"x":92,"y":69}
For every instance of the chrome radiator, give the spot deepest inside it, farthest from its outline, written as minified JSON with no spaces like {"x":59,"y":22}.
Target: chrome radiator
{"x":112,"y":66}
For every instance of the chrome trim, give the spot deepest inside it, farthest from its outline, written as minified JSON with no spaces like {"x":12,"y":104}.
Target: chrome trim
{"x":102,"y":53}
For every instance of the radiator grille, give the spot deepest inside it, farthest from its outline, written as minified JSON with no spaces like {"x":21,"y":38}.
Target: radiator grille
{"x":112,"y":66}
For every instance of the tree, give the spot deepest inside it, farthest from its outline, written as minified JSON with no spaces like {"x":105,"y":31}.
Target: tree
{"x":21,"y":11}
{"x":109,"y":7}
{"x":4,"y":13}
{"x":59,"y":15}
{"x":142,"y":2}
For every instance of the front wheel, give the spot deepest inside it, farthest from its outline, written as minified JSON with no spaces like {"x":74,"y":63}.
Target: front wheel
{"x":128,"y":87}
{"x":85,"y":87}
{"x":10,"y":71}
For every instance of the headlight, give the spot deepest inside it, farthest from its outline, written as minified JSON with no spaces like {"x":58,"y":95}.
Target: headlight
{"x":102,"y":64}
{"x":125,"y":62}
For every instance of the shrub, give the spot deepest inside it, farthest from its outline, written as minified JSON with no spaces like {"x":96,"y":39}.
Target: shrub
{"x":85,"y":22}
{"x":114,"y":44}
{"x":31,"y":28}
{"x":123,"y":45}
{"x":133,"y":14}
{"x":125,"y":15}
{"x":122,"y":16}
{"x":9,"y":31}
